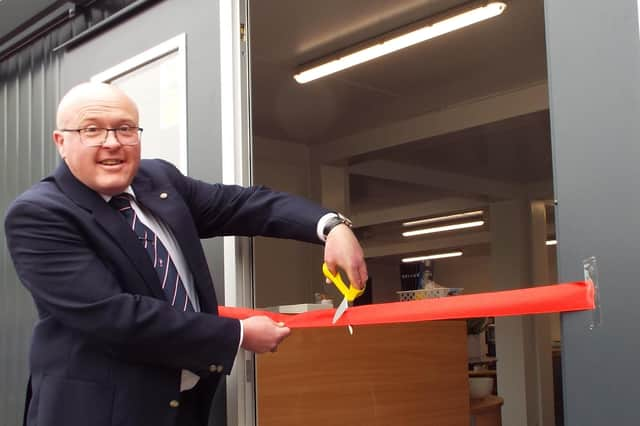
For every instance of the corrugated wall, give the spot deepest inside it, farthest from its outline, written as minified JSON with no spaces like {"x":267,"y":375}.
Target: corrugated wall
{"x":28,"y":96}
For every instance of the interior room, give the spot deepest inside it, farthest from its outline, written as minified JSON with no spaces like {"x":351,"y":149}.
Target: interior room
{"x":455,"y":124}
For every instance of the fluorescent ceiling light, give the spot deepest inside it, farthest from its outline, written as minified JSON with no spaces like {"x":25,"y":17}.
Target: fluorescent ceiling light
{"x":465,"y":215}
{"x":435,"y":229}
{"x":399,"y":39}
{"x":551,"y":242}
{"x":432,"y":256}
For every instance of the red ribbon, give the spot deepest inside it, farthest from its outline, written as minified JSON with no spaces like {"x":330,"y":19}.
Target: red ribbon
{"x":566,"y":297}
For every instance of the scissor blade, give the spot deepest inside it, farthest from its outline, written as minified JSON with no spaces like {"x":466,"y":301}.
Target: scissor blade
{"x":343,"y":307}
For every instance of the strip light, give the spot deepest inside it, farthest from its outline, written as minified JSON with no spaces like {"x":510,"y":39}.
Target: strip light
{"x":456,"y":216}
{"x":551,"y":242}
{"x":400,"y":39}
{"x":432,"y":256}
{"x":444,"y":228}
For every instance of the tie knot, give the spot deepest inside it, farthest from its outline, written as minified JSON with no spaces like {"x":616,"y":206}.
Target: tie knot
{"x":121,"y":201}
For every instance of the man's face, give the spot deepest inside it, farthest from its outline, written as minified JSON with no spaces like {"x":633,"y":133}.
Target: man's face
{"x":107,"y":169}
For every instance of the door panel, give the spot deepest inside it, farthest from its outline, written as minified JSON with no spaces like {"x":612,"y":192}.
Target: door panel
{"x":595,"y":104}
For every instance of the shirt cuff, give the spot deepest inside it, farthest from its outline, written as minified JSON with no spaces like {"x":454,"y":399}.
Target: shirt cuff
{"x":241,"y":335}
{"x":321,"y":224}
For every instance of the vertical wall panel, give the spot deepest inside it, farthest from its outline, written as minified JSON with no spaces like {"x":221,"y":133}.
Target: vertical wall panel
{"x":594,"y":78}
{"x":28,"y":95}
{"x":4,"y":338}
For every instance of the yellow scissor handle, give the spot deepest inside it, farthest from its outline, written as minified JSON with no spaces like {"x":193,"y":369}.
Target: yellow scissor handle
{"x":350,"y":293}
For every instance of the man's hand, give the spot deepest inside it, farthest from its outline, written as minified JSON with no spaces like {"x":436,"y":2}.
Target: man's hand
{"x":342,"y":250}
{"x":262,"y":334}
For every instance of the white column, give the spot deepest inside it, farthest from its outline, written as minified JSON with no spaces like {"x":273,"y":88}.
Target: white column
{"x":509,"y":224}
{"x":542,"y":323}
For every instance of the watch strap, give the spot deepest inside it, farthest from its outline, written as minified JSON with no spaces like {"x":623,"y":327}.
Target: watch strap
{"x":338,"y":219}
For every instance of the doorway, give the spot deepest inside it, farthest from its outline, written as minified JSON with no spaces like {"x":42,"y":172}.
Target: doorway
{"x":459,"y":123}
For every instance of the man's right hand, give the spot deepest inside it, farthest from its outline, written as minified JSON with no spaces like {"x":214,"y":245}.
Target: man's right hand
{"x":262,"y":334}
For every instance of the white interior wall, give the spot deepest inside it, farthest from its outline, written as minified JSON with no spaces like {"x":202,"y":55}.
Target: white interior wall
{"x":554,"y":319}
{"x":470,"y":272}
{"x":385,"y":277}
{"x":285,"y":278}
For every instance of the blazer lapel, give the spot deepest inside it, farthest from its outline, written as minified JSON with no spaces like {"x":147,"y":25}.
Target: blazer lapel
{"x":111,"y":221}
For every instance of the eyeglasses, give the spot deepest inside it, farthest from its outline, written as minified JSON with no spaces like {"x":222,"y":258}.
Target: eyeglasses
{"x":97,"y":136}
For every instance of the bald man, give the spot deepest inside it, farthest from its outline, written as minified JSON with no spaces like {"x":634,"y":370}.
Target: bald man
{"x":117,"y":342}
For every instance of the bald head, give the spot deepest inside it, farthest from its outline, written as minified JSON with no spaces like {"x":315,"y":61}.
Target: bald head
{"x":87,"y":94}
{"x":108,"y":167}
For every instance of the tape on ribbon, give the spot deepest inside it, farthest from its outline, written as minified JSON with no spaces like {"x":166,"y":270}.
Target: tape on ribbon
{"x":565,"y":297}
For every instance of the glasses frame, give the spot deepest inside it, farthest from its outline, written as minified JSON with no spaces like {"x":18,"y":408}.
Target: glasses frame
{"x":106,"y":136}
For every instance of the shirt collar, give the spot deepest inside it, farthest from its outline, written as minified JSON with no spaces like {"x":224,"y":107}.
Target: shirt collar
{"x":129,"y":191}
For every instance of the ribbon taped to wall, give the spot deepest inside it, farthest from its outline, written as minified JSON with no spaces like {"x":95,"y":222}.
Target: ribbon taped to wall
{"x":565,"y":297}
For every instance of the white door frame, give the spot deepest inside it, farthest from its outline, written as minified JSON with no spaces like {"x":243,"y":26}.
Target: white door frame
{"x":236,"y":169}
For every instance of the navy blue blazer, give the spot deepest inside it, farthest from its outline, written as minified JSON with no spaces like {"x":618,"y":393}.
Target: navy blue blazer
{"x":107,"y":348}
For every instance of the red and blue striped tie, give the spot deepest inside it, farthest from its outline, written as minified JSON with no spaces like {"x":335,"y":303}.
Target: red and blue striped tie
{"x":162,"y":262}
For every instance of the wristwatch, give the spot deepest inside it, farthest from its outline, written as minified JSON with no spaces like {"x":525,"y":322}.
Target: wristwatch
{"x":336,"y":220}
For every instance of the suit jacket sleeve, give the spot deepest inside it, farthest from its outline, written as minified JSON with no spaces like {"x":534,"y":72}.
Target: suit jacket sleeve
{"x":71,"y":284}
{"x":219,"y":209}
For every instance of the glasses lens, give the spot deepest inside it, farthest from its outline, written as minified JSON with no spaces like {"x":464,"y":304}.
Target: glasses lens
{"x":93,"y":136}
{"x":128,"y":135}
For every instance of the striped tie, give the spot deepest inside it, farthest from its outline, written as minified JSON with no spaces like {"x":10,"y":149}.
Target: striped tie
{"x":162,"y":262}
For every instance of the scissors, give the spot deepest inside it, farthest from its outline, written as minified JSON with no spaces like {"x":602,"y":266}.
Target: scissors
{"x":349,"y":293}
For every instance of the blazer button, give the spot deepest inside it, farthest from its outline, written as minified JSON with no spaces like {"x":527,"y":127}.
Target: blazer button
{"x":174,"y":403}
{"x":219,"y":369}
{"x":213,"y":368}
{"x":163,"y":195}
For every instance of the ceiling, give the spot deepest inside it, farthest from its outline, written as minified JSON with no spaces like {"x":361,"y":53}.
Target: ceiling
{"x":479,"y":161}
{"x":489,"y":57}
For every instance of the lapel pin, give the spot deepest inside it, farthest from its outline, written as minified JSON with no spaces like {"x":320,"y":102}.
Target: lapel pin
{"x":163,"y":195}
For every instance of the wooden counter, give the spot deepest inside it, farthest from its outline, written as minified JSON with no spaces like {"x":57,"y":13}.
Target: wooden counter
{"x":486,"y":411}
{"x":398,"y":374}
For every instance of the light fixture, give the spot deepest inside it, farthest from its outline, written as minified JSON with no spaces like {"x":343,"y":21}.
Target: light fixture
{"x":551,"y":242}
{"x":443,"y":228}
{"x":456,"y":216}
{"x":432,"y":256}
{"x":401,"y":38}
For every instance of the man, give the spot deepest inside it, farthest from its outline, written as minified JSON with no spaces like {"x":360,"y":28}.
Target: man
{"x":108,"y":246}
